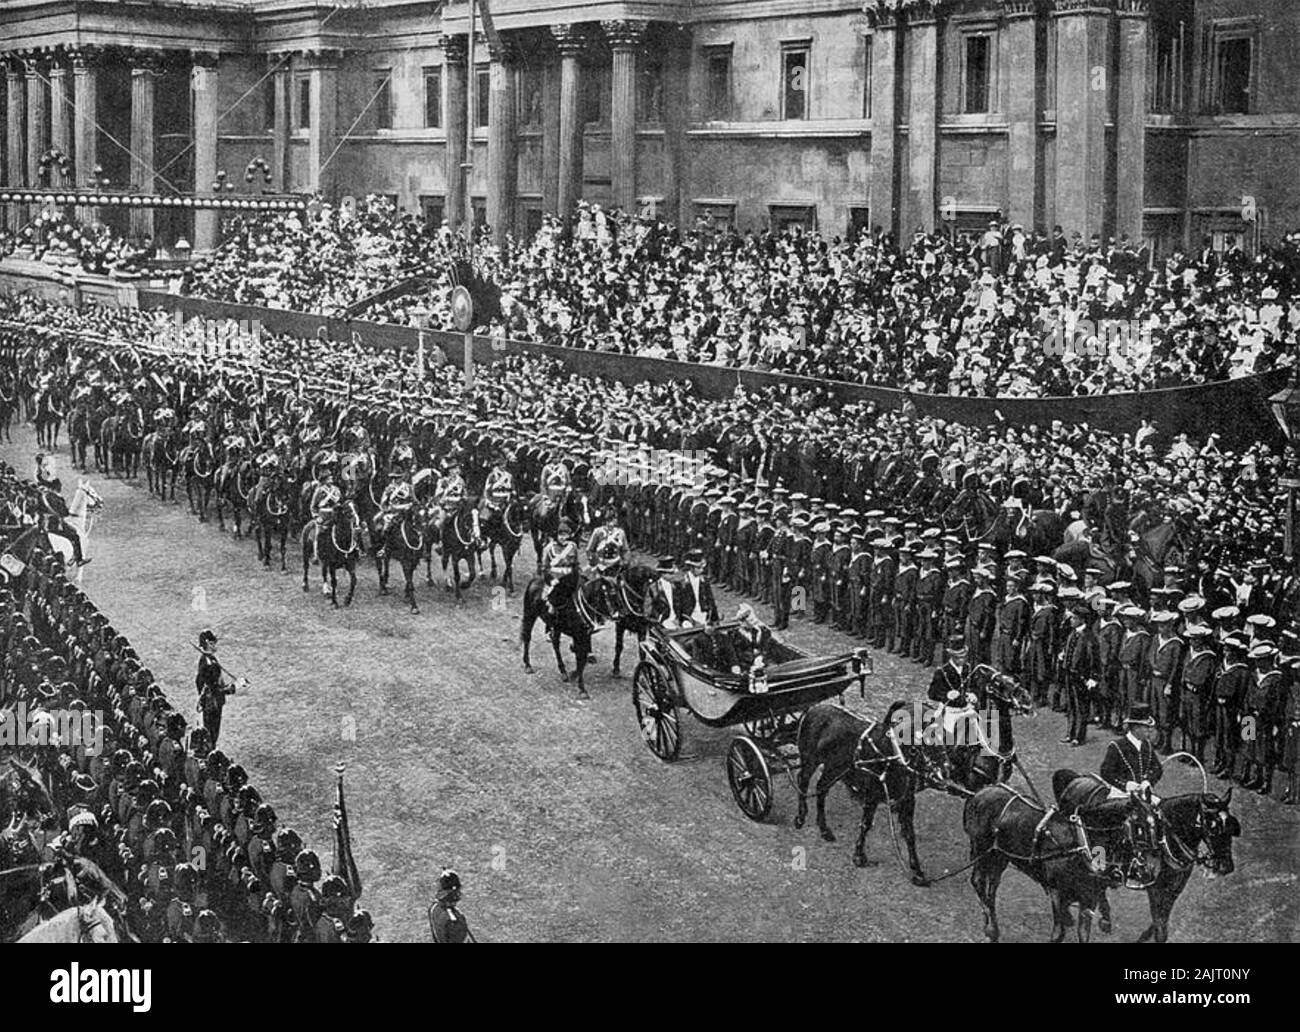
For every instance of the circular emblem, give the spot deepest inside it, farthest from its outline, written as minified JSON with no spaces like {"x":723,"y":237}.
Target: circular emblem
{"x":462,"y":309}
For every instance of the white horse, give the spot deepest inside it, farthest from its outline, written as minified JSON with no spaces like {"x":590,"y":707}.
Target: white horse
{"x":86,"y":504}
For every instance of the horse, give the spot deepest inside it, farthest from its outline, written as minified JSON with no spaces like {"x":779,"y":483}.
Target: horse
{"x":405,"y":541}
{"x":27,"y":892}
{"x":1166,"y":543}
{"x":230,"y":484}
{"x":1004,"y":827}
{"x":459,"y":538}
{"x":580,"y":608}
{"x":338,"y":544}
{"x":268,"y":513}
{"x":90,"y":923}
{"x":85,"y":504}
{"x":1036,"y":531}
{"x":875,"y":767}
{"x":544,"y":518}
{"x":120,"y":437}
{"x":504,"y":528}
{"x":199,"y":464}
{"x":1083,"y":553}
{"x":978,"y":764}
{"x":48,"y":419}
{"x":972,"y":513}
{"x":79,"y":433}
{"x":632,"y":584}
{"x":160,"y":458}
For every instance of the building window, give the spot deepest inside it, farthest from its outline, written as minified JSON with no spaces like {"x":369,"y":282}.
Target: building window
{"x":531,"y":89}
{"x":650,"y":89}
{"x":1233,"y":65}
{"x":717,"y":99}
{"x":859,"y":222}
{"x":715,"y":215}
{"x":384,"y":101}
{"x":794,"y":82}
{"x":1172,"y":33}
{"x":866,"y":79}
{"x":433,"y":208}
{"x":482,"y":97}
{"x":786,"y":216}
{"x":976,"y":56}
{"x":433,"y":98}
{"x":479,"y":204}
{"x":268,"y":101}
{"x":304,"y":103}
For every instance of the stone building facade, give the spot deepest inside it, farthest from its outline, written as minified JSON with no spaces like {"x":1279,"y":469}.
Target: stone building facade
{"x":1165,"y":119}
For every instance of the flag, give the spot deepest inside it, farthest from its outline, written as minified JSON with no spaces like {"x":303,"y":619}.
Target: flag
{"x":344,"y":866}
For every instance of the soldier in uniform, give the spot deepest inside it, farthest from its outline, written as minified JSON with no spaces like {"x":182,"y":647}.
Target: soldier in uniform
{"x":1110,"y":636}
{"x":212,"y":684}
{"x":782,"y":549}
{"x":906,"y":581}
{"x":1199,"y":669}
{"x":1131,"y":764}
{"x":799,"y":559}
{"x":1229,"y":696}
{"x":446,"y":922}
{"x":820,"y":562}
{"x":1011,"y":626}
{"x":760,"y":555}
{"x":1166,"y":671}
{"x":1134,"y":658}
{"x":956,"y":599}
{"x":607,"y":548}
{"x":981,"y":617}
{"x":1040,"y":643}
{"x":560,"y":566}
{"x":838,"y":566}
{"x":1080,"y":665}
{"x":884,"y":573}
{"x":740,"y":558}
{"x":929,"y":590}
{"x":1257,"y":771}
{"x":498,"y":488}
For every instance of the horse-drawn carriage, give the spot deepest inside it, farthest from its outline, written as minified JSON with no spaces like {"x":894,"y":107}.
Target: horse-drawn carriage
{"x":767,"y":701}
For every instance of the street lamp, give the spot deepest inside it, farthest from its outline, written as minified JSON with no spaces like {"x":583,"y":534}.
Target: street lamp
{"x":1285,"y":406}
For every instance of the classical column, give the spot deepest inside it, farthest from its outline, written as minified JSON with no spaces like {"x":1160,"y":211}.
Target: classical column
{"x":455,"y":53}
{"x":145,"y":68}
{"x":625,"y":39}
{"x":60,"y":120}
{"x":38,"y":140}
{"x":884,"y":120}
{"x":85,"y":133}
{"x":280,"y":69}
{"x":322,"y":68}
{"x":571,"y":43}
{"x":503,"y":159}
{"x":1131,"y":117}
{"x":676,"y":94}
{"x":551,"y":137}
{"x":922,"y":41}
{"x":1083,"y":70}
{"x":1021,"y":50}
{"x":203,"y":86}
{"x":15,"y":164}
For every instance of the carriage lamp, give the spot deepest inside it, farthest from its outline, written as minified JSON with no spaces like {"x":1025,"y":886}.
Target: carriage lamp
{"x":1285,"y":406}
{"x":758,"y":676}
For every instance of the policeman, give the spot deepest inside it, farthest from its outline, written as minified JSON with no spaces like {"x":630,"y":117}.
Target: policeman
{"x":446,"y":922}
{"x":212,"y":684}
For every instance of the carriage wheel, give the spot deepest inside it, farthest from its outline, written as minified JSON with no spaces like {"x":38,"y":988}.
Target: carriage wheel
{"x":772,"y":727}
{"x":749,"y":778}
{"x":656,"y":715}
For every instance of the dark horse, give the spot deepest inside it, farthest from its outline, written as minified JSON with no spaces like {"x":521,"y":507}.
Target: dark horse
{"x":48,"y":419}
{"x":632,"y":584}
{"x":233,"y":483}
{"x":974,"y":762}
{"x":338,"y":544}
{"x":504,"y":529}
{"x":874,"y":764}
{"x":268,"y":512}
{"x":1037,"y":531}
{"x":120,"y":437}
{"x":1167,"y":543}
{"x":544,"y":518}
{"x":404,"y":541}
{"x":199,"y":465}
{"x":1082,"y":554}
{"x":160,"y":459}
{"x":1005,"y":827}
{"x":459,"y":539}
{"x":580,"y":607}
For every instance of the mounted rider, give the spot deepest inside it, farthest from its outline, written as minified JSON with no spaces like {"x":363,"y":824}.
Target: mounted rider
{"x":560,"y":563}
{"x":499,"y":488}
{"x":54,"y":509}
{"x":397,"y":502}
{"x":607,"y":549}
{"x":556,"y":479}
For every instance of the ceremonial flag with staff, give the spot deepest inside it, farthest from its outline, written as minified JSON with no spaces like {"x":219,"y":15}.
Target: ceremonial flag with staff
{"x":344,"y":865}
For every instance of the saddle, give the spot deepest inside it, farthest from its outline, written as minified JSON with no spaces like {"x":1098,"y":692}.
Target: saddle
{"x":1091,"y":798}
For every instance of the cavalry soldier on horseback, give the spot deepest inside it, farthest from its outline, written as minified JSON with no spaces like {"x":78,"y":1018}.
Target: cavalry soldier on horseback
{"x":55,"y":510}
{"x":398,"y":500}
{"x":607,"y":549}
{"x":499,"y":488}
{"x":556,"y":480}
{"x":559,"y":563}
{"x":325,"y":499}
{"x":401,"y":458}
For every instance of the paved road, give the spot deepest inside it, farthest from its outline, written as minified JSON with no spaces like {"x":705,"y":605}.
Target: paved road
{"x":562,"y":824}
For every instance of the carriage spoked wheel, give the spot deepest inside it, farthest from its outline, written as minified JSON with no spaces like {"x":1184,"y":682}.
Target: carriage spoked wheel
{"x":749,"y":778}
{"x":656,"y":713}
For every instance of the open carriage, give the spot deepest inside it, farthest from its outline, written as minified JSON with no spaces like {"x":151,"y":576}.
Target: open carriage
{"x":767,"y":700}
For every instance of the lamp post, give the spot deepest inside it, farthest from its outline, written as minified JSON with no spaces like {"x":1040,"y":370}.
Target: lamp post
{"x":1285,"y":406}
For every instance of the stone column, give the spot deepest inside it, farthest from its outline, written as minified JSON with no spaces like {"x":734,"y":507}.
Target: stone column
{"x":677,"y":73}
{"x":1021,"y":50}
{"x":551,"y":137}
{"x":1083,"y":71}
{"x":1131,"y":117}
{"x":922,"y":41}
{"x":625,"y":39}
{"x":280,"y":69}
{"x":60,"y":122}
{"x":884,"y":122}
{"x":85,"y":133}
{"x":38,"y":140}
{"x":455,"y":76}
{"x":203,"y":85}
{"x":503,"y":159}
{"x":15,"y":117}
{"x":571,"y":43}
{"x":145,"y":68}
{"x":322,"y":66}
